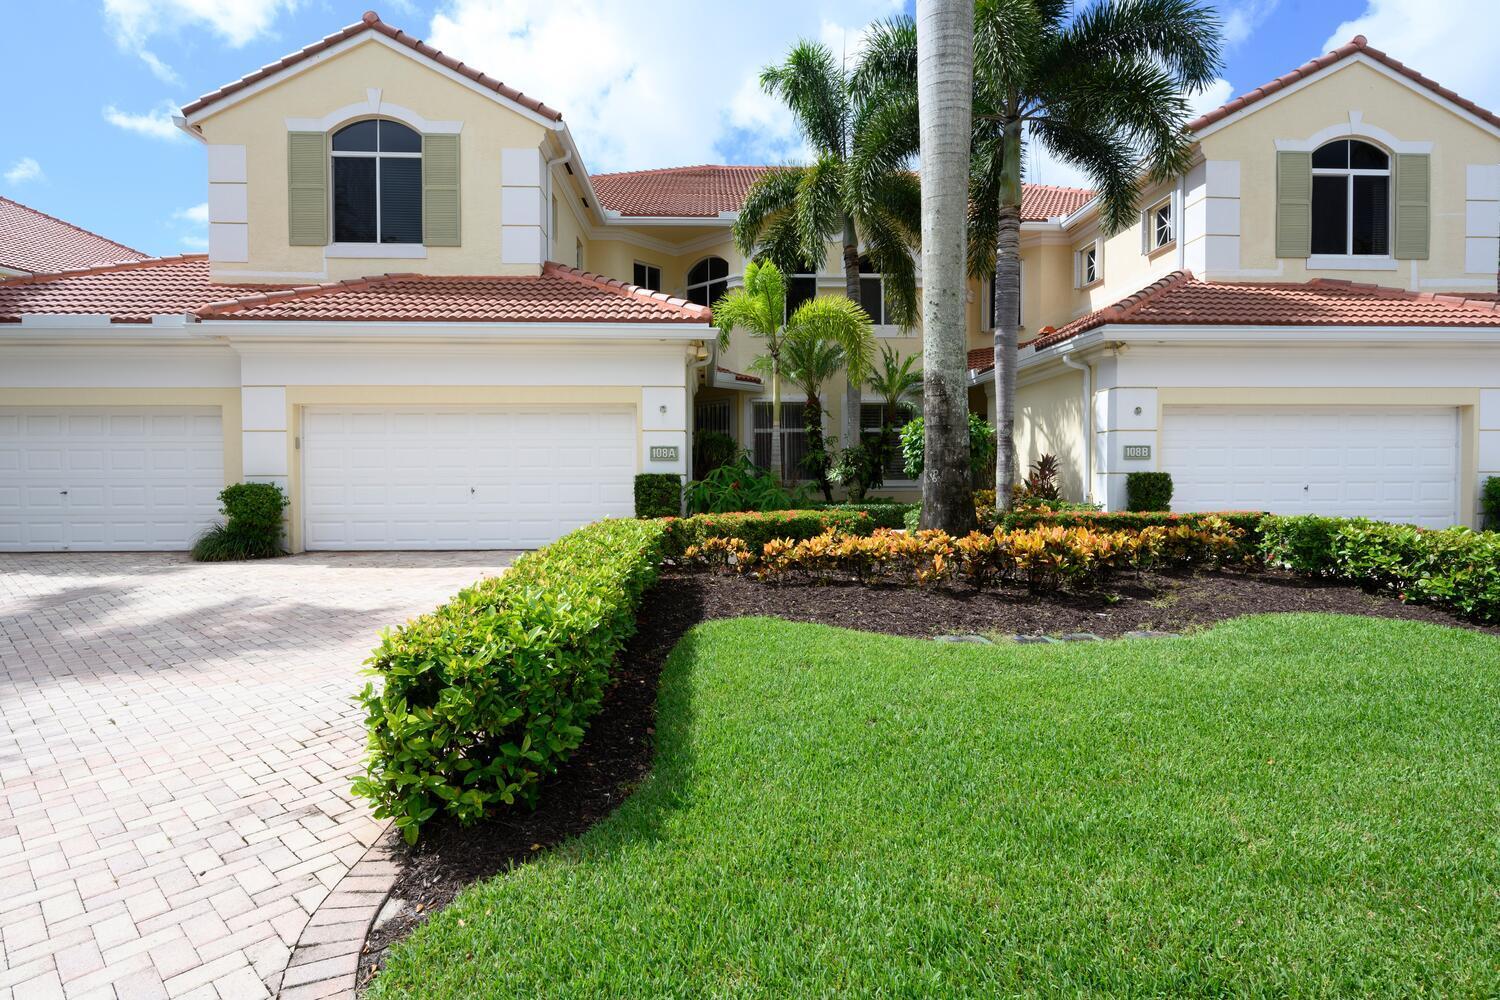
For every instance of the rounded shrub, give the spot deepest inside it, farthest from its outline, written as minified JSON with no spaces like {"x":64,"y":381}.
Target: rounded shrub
{"x":658,"y":494}
{"x":252,"y":525}
{"x":1148,"y":491}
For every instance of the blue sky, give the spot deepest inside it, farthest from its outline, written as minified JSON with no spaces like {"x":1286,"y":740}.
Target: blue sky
{"x":91,"y":84}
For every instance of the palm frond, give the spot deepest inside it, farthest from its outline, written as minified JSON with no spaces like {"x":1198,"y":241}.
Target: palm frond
{"x":896,"y":380}
{"x":773,"y":194}
{"x":840,"y":321}
{"x":811,"y":83}
{"x":1181,"y":36}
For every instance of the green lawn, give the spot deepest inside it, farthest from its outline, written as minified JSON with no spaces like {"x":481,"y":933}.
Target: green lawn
{"x":1292,"y":805}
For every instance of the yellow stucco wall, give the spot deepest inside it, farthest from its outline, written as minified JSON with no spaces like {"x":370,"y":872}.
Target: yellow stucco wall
{"x":1049,"y":421}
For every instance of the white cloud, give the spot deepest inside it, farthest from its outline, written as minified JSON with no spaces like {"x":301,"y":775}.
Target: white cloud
{"x":193,"y":243}
{"x":1242,"y":19}
{"x":155,"y":124}
{"x":1443,"y":39}
{"x":236,"y":22}
{"x":23,"y":170}
{"x":676,"y":87}
{"x":196,"y":214}
{"x":191,"y":226}
{"x":1216,"y":93}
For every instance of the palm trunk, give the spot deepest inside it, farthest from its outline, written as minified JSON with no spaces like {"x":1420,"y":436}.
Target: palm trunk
{"x":945,"y":72}
{"x":1007,"y":320}
{"x":853,"y":396}
{"x":775,"y":418}
{"x":812,"y":419}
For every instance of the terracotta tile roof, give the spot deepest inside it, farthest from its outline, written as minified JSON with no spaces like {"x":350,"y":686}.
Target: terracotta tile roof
{"x":127,"y":293}
{"x":35,"y":242}
{"x":739,"y":376}
{"x":1357,"y":44}
{"x":372,"y":22}
{"x":981,"y":359}
{"x":705,"y":190}
{"x":1180,"y":299}
{"x":558,"y":295}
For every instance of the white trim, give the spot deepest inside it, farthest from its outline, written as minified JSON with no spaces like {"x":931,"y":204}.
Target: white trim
{"x":1351,"y":262}
{"x":354,"y":41}
{"x":372,"y":105}
{"x":723,"y":219}
{"x":430,"y":332}
{"x":1358,"y":58}
{"x":374,"y":251}
{"x":1354,"y":127}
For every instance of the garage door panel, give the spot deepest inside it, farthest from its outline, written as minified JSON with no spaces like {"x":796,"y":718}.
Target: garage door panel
{"x":1393,"y":464}
{"x":463,"y":477}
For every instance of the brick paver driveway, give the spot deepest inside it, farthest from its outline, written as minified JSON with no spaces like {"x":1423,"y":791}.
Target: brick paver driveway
{"x":176,"y":744}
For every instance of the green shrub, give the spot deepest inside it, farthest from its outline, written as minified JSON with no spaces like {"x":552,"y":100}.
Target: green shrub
{"x":1489,"y":499}
{"x":252,"y":528}
{"x":758,"y":528}
{"x":1148,"y":491}
{"x":711,"y":449}
{"x":1458,"y":569}
{"x":882,"y":515}
{"x":658,"y":494}
{"x":741,"y":485}
{"x":484,"y":697}
{"x":981,"y":446}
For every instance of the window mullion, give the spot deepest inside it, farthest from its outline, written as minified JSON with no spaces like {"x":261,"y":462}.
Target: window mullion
{"x":1349,"y":222}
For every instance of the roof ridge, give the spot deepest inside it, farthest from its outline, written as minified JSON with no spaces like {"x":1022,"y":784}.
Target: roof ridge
{"x":371,"y":22}
{"x":1359,"y":43}
{"x":690,"y":166}
{"x":626,"y":288}
{"x":41,"y":277}
{"x":272,"y":295}
{"x":73,"y":226}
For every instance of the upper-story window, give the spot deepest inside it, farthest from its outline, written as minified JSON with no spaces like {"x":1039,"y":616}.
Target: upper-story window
{"x":1086,"y":265}
{"x":377,"y":183}
{"x":647,"y":276}
{"x":708,"y":281}
{"x":1351,"y":199}
{"x":1159,"y":222}
{"x":872,"y":292}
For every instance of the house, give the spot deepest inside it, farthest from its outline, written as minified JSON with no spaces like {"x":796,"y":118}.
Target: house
{"x":424,"y":317}
{"x":32,"y":242}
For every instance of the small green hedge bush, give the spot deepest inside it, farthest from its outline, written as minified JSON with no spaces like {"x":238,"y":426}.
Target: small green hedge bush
{"x":252,"y":528}
{"x":658,"y":494}
{"x":1489,"y":499}
{"x":756,"y":528}
{"x":484,"y":697}
{"x":1457,"y":568}
{"x":884,"y":515}
{"x":1148,"y":491}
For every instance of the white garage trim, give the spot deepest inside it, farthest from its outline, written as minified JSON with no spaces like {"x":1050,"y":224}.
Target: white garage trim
{"x":1394,"y":463}
{"x":463,"y":477}
{"x":108,"y":478}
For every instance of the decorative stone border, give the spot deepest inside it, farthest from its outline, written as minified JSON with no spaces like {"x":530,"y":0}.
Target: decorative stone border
{"x":324,"y":965}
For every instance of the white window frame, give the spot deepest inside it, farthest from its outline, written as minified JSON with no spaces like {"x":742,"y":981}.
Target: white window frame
{"x":1081,"y":278}
{"x":649,"y":268}
{"x":375,"y":155}
{"x":797,"y":404}
{"x":1349,"y":173}
{"x":1152,"y":224}
{"x":709,"y":282}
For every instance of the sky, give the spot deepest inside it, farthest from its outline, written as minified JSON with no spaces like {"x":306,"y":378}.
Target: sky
{"x":91,"y":85}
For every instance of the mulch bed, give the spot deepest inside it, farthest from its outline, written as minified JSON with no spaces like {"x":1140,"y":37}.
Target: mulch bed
{"x":616,"y":755}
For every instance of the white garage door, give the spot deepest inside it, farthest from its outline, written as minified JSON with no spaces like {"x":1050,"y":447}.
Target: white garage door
{"x":1394,"y":464}
{"x":513,"y":477}
{"x":93,"y":478}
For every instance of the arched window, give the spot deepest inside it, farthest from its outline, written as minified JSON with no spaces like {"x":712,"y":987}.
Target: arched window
{"x":1351,"y":199}
{"x":377,"y":183}
{"x":708,"y":281}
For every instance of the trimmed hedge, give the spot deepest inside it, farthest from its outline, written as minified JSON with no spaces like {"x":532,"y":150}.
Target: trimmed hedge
{"x":1489,"y":500}
{"x":756,"y":528}
{"x":1148,"y":491}
{"x":658,"y":494}
{"x":483,"y":698}
{"x":1458,"y":569}
{"x":884,"y":515}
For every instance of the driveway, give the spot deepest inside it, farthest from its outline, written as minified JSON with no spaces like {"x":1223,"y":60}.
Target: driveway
{"x":176,"y":746}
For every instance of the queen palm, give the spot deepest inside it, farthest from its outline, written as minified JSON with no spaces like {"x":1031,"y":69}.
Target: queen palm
{"x":809,"y":362}
{"x":759,"y":309}
{"x":1104,"y":90}
{"x":792,"y":212}
{"x":896,"y":380}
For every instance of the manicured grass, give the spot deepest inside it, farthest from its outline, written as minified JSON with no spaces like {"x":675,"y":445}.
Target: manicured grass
{"x":1293,"y":805}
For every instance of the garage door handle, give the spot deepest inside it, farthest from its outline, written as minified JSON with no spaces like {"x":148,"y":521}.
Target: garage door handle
{"x":471,"y":489}
{"x":62,"y":493}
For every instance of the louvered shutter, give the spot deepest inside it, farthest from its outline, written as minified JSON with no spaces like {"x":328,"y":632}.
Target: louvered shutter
{"x":440,"y":227}
{"x":307,"y":189}
{"x":1293,"y":204}
{"x":1413,"y":206}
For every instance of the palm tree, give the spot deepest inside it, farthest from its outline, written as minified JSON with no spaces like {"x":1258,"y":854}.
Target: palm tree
{"x":896,"y":381}
{"x":791,"y":213}
{"x":759,"y":307}
{"x":809,"y":362}
{"x":945,"y":77}
{"x":1105,"y":90}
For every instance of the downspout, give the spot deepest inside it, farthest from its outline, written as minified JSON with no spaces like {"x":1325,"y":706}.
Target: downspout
{"x":1088,"y":421}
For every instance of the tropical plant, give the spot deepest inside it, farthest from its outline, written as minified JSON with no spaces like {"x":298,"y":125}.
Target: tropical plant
{"x":791,"y":213}
{"x":896,"y":380}
{"x":741,"y":485}
{"x":711,"y":449}
{"x":914,"y":446}
{"x":810,"y":361}
{"x":1104,"y":89}
{"x":1040,"y":484}
{"x":759,"y":307}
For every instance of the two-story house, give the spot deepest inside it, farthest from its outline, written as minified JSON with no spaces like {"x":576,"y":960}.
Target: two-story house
{"x":424,"y":317}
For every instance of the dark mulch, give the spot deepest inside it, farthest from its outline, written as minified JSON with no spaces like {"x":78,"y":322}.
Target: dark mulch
{"x":616,"y":755}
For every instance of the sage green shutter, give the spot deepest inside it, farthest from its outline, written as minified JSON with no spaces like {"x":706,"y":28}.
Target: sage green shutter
{"x":1293,"y":204}
{"x":307,"y":189}
{"x":1413,"y":206}
{"x":440,"y":191}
